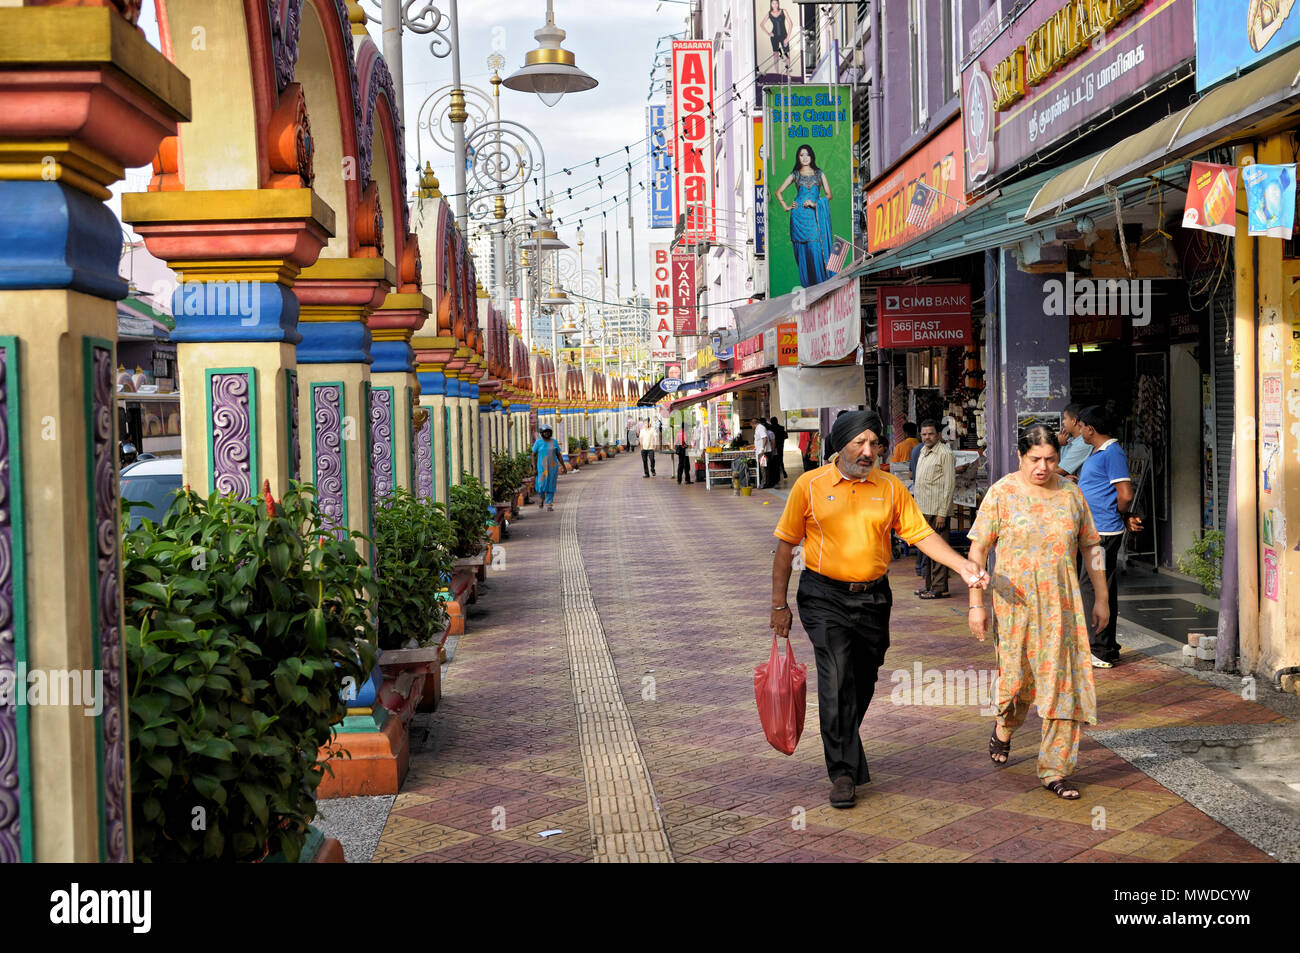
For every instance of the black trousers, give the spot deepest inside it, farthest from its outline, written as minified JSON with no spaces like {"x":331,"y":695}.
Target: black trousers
{"x":1104,"y":644}
{"x":648,"y":462}
{"x":850,"y":635}
{"x":683,"y":467}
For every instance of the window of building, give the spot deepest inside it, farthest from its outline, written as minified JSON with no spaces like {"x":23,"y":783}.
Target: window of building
{"x":952,"y":49}
{"x":916,"y":60}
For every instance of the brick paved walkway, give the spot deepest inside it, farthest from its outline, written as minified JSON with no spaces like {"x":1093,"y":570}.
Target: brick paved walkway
{"x":679,"y":582}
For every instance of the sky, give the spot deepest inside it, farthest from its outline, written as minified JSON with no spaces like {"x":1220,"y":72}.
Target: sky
{"x":613,"y":40}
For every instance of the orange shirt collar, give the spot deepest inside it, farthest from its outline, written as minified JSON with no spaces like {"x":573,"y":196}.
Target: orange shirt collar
{"x":841,"y":478}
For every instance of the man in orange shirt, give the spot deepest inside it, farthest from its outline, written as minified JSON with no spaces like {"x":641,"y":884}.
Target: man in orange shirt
{"x":844,"y":512}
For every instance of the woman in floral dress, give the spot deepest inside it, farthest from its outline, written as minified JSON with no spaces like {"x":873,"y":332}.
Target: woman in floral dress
{"x":1035,"y":522}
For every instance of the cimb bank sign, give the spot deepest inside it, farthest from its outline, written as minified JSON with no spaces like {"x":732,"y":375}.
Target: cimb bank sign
{"x":1098,"y":297}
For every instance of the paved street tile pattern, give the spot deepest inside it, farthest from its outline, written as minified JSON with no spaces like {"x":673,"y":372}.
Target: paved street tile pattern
{"x":680,"y":583}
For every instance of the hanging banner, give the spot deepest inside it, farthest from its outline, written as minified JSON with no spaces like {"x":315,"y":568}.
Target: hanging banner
{"x":1270,"y":199}
{"x":683,"y":295}
{"x":831,"y":329}
{"x":1061,"y":66}
{"x":934,"y":174}
{"x":692,"y":132}
{"x":809,"y":184}
{"x":760,"y":191}
{"x":1234,"y":35}
{"x":924,"y":316}
{"x":662,"y":345}
{"x":660,"y":193}
{"x":778,"y":39}
{"x":787,"y":344}
{"x":1212,"y":198}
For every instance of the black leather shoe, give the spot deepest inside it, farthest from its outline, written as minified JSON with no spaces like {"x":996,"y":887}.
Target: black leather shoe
{"x":842,"y":792}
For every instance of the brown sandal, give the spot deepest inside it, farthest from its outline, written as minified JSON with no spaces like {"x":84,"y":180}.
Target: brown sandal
{"x":998,"y":747}
{"x":1063,"y":789}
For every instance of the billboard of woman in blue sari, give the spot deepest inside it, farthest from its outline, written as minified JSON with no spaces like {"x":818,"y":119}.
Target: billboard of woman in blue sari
{"x":810,"y":217}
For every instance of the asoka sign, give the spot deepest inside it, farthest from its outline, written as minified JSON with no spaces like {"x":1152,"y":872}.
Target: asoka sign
{"x":1101,"y":297}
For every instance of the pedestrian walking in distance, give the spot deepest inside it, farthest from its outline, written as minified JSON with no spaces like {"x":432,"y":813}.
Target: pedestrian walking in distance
{"x":1074,"y":449}
{"x":933,"y":484}
{"x":546,"y":456}
{"x":762,"y":441}
{"x":1035,"y":521}
{"x":683,"y":459}
{"x":1106,"y":485}
{"x":844,"y":512}
{"x":779,"y":435}
{"x":647,"y":441}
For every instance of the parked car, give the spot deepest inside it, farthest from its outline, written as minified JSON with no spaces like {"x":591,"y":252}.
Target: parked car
{"x":153,"y":482}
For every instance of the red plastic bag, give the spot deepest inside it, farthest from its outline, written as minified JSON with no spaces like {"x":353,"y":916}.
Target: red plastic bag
{"x":781,"y":690}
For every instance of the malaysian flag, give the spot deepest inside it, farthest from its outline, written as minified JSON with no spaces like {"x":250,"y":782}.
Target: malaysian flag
{"x":924,"y":199}
{"x":839,"y":252}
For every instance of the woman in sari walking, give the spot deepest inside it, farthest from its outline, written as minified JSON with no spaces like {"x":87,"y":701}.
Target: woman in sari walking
{"x":547,"y":460}
{"x":1035,"y":522}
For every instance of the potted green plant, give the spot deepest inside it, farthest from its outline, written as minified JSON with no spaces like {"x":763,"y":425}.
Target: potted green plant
{"x":245,"y":621}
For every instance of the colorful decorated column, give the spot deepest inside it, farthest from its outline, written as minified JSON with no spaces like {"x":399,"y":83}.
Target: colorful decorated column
{"x":335,"y":405}
{"x":236,"y":254}
{"x":394,"y":391}
{"x":82,"y":95}
{"x":431,"y":355}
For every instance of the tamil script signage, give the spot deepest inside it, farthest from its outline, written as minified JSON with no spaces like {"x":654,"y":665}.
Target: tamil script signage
{"x":1061,"y":65}
{"x":660,"y":193}
{"x":831,"y":328}
{"x":692,"y":124}
{"x":926,"y":190}
{"x":924,"y":316}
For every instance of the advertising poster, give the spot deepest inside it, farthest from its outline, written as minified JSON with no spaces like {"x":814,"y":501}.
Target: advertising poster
{"x":778,"y":44}
{"x":1234,"y":35}
{"x":936,"y":170}
{"x":662,"y":345}
{"x":683,"y":292}
{"x":1270,"y":199}
{"x":692,"y":133}
{"x":787,"y":344}
{"x":1270,"y":448}
{"x":660,"y":166}
{"x":1270,"y":574}
{"x":1061,"y":66}
{"x":1271,"y":386}
{"x":809,"y":183}
{"x":1212,"y":198}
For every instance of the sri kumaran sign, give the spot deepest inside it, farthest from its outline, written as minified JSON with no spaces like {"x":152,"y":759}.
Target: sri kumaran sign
{"x":1060,"y":65}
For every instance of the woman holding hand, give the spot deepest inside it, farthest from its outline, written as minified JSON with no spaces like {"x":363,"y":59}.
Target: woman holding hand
{"x":1035,"y":522}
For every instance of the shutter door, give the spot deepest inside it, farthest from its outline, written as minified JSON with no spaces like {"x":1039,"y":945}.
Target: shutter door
{"x":1222,"y":306}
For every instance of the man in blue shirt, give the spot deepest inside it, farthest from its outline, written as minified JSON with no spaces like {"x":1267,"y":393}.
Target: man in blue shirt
{"x":1106,"y":485}
{"x":1074,"y":449}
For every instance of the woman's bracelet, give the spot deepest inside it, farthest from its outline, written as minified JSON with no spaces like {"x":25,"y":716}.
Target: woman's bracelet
{"x":779,"y":608}
{"x":973,"y":608}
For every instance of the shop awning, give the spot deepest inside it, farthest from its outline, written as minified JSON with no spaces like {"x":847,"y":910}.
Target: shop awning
{"x":1259,"y":103}
{"x":743,"y":384}
{"x":994,"y":221}
{"x":754,"y":319}
{"x":658,"y":392}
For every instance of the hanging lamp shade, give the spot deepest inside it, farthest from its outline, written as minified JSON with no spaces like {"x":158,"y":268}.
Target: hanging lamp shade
{"x":556,"y":298}
{"x":550,"y":70}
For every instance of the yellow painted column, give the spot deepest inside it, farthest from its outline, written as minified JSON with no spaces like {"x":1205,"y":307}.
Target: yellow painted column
{"x":1245,"y":438}
{"x":82,"y":96}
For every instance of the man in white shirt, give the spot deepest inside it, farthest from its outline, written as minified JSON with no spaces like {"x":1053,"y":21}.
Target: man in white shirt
{"x":933,"y":485}
{"x":762,"y":441}
{"x":648,"y":441}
